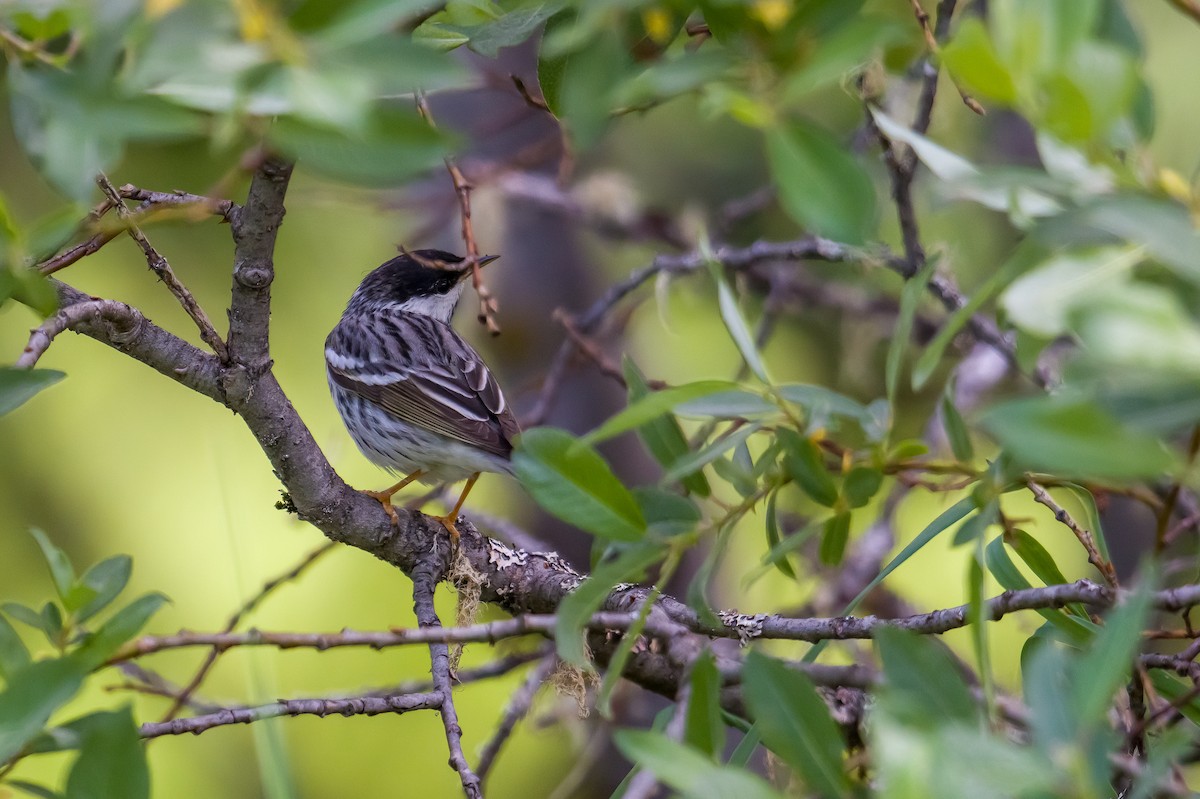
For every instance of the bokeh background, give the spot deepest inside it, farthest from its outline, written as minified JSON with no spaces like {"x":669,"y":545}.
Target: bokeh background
{"x":117,"y":459}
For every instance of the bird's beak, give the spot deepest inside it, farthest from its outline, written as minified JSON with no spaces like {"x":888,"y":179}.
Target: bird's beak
{"x":484,"y":260}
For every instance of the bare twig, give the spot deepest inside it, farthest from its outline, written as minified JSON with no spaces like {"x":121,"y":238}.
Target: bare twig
{"x":1188,"y":7}
{"x":518,"y":706}
{"x":362,"y":705}
{"x":425,"y":578}
{"x":236,"y":619}
{"x":159,"y":266}
{"x":1105,"y":567}
{"x":462,"y":188}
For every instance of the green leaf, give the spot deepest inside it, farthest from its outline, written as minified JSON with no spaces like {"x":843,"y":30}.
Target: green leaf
{"x":923,"y":682}
{"x":585,"y":89}
{"x":366,"y":19}
{"x":685,"y":770}
{"x":735,"y":323}
{"x":112,"y":761}
{"x":124,"y":625}
{"x":34,"y":290}
{"x":737,"y":404}
{"x":13,"y":654}
{"x":973,"y":62}
{"x":804,"y":464}
{"x":795,"y":723}
{"x":1106,"y":665}
{"x":654,"y":405}
{"x":861,"y":484}
{"x":52,"y":622}
{"x":32,"y":789}
{"x":570,"y":480}
{"x":1072,"y":437}
{"x":60,"y":566}
{"x":392,"y":148}
{"x":834,"y":535}
{"x":774,"y":539}
{"x":821,"y":186}
{"x":1076,"y":630}
{"x":824,"y":408}
{"x":910,"y":299}
{"x":17,"y":386}
{"x":31,"y":696}
{"x":509,"y":30}
{"x":663,"y":436}
{"x":713,"y":450}
{"x":104,"y":581}
{"x":841,"y":52}
{"x":580,"y":604}
{"x":704,"y":728}
{"x":977,"y":525}
{"x":23,"y":614}
{"x":666,"y":513}
{"x":955,"y":427}
{"x":1039,"y":561}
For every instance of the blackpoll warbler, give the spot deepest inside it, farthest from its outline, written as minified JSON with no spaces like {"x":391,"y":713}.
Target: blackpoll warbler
{"x":416,"y":398}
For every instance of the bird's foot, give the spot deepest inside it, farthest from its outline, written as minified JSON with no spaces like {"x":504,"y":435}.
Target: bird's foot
{"x":448,"y":523}
{"x":384,"y":498}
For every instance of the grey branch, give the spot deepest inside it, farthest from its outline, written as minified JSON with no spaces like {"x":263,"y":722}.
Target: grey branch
{"x":518,"y":706}
{"x":428,"y":573}
{"x":357,"y":706}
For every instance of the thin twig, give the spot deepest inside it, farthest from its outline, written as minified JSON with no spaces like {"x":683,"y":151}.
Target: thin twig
{"x":593,"y":352}
{"x":236,"y":619}
{"x":159,"y":266}
{"x":1106,"y":569}
{"x":518,"y":706}
{"x":425,"y":578}
{"x":462,"y":189}
{"x":1189,"y":7}
{"x":356,"y":706}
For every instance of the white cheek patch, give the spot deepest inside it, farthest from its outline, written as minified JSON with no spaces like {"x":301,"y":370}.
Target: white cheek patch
{"x":439,"y":306}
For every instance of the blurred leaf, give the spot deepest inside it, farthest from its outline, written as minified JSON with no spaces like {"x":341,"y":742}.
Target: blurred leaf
{"x":1107,"y":663}
{"x":795,"y":723}
{"x":52,"y":622}
{"x":774,"y":539}
{"x":112,"y":762}
{"x":17,"y":386}
{"x":61,"y":570}
{"x":972,"y":60}
{"x":978,"y":524}
{"x":1072,"y":437}
{"x":360,"y":21}
{"x":861,"y":484}
{"x":585,"y":88}
{"x":507,"y":30}
{"x":570,"y":480}
{"x":734,"y":404}
{"x":1042,"y":301}
{"x":922,"y":679}
{"x":821,"y":186}
{"x":745,"y":749}
{"x":672,"y":76}
{"x":910,"y":299}
{"x":652,"y":405}
{"x":697,"y":590}
{"x":731,"y":472}
{"x":124,"y":625}
{"x":33,"y":790}
{"x":842,"y":52}
{"x":834,"y":535}
{"x":550,"y":67}
{"x":23,"y":614}
{"x":105,"y":581}
{"x":1092,"y":520}
{"x":1001,"y":567}
{"x":50,"y":232}
{"x":805,"y":464}
{"x":13,"y":654}
{"x":735,"y":323}
{"x":393,"y":147}
{"x":715,"y":449}
{"x":823,"y":407}
{"x":685,"y":770}
{"x":956,"y":429}
{"x":666,"y":513}
{"x":579,"y":605}
{"x":34,"y":290}
{"x":662,"y":436}
{"x":704,"y":729}
{"x":1163,"y":227}
{"x":30,"y":696}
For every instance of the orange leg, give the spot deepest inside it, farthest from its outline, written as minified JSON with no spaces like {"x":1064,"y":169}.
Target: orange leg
{"x":384,"y":497}
{"x":448,"y":520}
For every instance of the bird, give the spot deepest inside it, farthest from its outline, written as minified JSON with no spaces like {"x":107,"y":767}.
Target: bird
{"x":416,"y":398}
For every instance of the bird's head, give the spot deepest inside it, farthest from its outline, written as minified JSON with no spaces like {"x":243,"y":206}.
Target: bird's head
{"x":426,"y":282}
